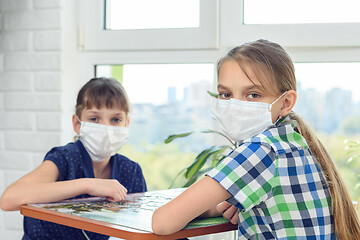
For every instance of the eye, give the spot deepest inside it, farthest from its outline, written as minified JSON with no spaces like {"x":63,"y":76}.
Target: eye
{"x":253,"y":95}
{"x":116,"y":120}
{"x":93,"y":119}
{"x":224,"y":95}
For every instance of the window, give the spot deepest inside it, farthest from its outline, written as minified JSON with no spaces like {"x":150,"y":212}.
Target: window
{"x":300,"y":11}
{"x":154,"y":14}
{"x":326,"y":56}
{"x":200,"y":31}
{"x":166,"y":99}
{"x":329,"y":101}
{"x":335,"y":90}
{"x":270,"y":20}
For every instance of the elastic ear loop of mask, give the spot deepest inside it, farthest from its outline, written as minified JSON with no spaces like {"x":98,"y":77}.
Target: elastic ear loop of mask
{"x":280,"y":117}
{"x":277,"y":100}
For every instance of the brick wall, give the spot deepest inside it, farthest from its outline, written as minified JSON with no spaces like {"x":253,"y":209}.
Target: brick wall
{"x":30,"y":91}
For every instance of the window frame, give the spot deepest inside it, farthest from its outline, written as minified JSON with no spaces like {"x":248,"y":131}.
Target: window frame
{"x":289,"y":35}
{"x":300,"y":49}
{"x":93,"y":36}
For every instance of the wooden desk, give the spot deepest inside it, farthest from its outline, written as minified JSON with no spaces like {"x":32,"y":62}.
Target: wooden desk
{"x":130,"y":219}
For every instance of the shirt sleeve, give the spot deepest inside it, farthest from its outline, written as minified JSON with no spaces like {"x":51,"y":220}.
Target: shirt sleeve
{"x":139,"y":184}
{"x":247,"y":174}
{"x":56,"y":156}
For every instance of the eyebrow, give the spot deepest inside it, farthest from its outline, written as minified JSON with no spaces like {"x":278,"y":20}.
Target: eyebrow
{"x":91,"y":111}
{"x":248,"y":88}
{"x":222,"y":87}
{"x":120,"y":114}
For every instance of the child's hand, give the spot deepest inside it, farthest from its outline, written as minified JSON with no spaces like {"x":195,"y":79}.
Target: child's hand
{"x":109,"y":188}
{"x":228,"y":211}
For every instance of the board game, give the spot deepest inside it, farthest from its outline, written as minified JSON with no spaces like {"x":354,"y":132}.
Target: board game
{"x":133,"y":212}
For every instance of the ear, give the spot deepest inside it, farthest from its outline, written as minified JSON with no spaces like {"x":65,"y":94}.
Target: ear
{"x":127,"y":122}
{"x":76,"y":124}
{"x":288,"y":102}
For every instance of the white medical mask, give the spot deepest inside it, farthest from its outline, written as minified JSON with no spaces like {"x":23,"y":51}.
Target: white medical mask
{"x":240,"y":120}
{"x":102,"y":141}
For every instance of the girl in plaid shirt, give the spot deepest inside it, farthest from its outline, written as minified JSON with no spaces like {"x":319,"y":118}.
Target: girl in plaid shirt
{"x":280,"y":179}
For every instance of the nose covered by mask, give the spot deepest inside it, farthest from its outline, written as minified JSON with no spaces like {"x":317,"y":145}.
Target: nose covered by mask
{"x":240,"y":120}
{"x":102,"y":141}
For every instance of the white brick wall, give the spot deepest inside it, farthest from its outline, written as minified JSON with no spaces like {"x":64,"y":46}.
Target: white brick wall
{"x":1,"y":61}
{"x":44,"y":41}
{"x":30,"y":101}
{"x":47,"y":81}
{"x":15,"y":82}
{"x":47,"y":3}
{"x":31,"y":19}
{"x":15,"y":160}
{"x":15,"y":41}
{"x":16,"y":120}
{"x":48,"y":121}
{"x":8,"y":5}
{"x":30,"y":92}
{"x":31,"y":61}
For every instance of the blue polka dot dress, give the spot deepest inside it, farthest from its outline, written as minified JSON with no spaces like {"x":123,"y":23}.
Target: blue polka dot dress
{"x":74,"y":162}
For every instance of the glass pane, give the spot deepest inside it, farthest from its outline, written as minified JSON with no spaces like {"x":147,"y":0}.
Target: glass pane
{"x":329,"y":101}
{"x":166,"y":99}
{"x":300,"y":11}
{"x":335,"y":88}
{"x":152,"y":14}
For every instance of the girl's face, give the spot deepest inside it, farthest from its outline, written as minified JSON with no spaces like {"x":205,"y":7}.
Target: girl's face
{"x":105,"y":116}
{"x":234,"y":83}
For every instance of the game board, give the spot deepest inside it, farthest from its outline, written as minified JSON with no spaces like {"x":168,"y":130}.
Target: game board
{"x":134,"y":212}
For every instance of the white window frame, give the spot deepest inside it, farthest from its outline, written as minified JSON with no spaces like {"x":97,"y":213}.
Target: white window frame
{"x":93,"y":37}
{"x":304,"y":42}
{"x":234,"y":31}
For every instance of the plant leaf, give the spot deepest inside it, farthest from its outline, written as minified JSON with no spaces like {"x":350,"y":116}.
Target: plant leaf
{"x":194,"y":178}
{"x":180,"y":135}
{"x":190,"y":182}
{"x":173,"y":182}
{"x":215,"y":95}
{"x":172,"y":137}
{"x":216,"y":161}
{"x":201,"y":159}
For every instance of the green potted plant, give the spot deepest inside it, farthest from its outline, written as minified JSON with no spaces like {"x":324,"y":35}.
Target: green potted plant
{"x":206,"y":159}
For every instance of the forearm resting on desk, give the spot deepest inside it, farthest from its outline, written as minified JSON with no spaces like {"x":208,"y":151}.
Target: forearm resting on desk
{"x":41,"y":186}
{"x":24,"y":192}
{"x":193,"y":202}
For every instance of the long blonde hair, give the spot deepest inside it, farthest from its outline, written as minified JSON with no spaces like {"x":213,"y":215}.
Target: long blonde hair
{"x":269,"y":58}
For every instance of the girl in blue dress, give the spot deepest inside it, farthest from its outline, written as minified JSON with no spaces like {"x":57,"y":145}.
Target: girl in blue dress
{"x":87,"y":167}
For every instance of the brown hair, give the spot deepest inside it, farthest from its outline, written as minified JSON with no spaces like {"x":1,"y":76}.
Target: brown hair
{"x":270,"y":59}
{"x":101,"y":92}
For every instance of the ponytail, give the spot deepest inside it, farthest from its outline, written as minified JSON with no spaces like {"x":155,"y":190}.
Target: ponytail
{"x":347,"y":225}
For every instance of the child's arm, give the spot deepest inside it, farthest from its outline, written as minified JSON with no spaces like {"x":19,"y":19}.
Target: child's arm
{"x":41,"y":186}
{"x":197,"y":199}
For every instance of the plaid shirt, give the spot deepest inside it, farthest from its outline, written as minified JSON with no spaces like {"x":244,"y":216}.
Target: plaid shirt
{"x":278,"y":187}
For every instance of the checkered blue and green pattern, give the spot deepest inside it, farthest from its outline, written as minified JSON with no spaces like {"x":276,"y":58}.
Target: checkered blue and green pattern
{"x":277,"y":186}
